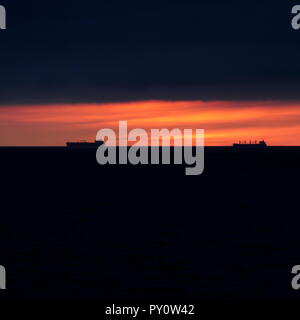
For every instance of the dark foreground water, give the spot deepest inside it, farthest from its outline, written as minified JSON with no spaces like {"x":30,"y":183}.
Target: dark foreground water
{"x":71,"y":229}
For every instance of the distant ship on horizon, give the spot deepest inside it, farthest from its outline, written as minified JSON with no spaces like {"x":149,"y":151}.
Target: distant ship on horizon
{"x":84,"y":144}
{"x":260,"y":145}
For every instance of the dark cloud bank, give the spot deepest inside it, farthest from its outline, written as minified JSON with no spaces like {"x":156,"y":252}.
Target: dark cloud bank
{"x":94,"y":51}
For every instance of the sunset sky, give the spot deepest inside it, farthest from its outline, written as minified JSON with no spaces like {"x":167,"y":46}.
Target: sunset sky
{"x":224,"y":122}
{"x":230,"y":68}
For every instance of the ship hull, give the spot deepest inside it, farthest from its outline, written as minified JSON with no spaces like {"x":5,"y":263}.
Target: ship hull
{"x":84,"y":145}
{"x":249,"y":146}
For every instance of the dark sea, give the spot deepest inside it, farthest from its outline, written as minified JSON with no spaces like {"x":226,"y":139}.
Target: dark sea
{"x":71,"y":229}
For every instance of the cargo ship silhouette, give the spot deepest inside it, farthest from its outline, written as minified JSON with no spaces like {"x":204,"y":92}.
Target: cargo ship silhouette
{"x":84,"y":144}
{"x":260,"y":145}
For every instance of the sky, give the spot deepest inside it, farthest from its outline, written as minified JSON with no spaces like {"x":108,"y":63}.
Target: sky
{"x":70,"y":68}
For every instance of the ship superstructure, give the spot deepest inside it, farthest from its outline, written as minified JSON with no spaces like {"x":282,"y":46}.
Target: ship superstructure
{"x":251,"y":145}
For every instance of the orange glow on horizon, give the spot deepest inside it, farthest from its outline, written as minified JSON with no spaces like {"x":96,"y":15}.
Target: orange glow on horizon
{"x":224,"y":122}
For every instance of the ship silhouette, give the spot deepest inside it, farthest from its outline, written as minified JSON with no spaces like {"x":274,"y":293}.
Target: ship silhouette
{"x":84,"y":144}
{"x":260,"y":145}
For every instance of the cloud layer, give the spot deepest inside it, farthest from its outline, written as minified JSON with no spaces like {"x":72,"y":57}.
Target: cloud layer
{"x":105,"y":51}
